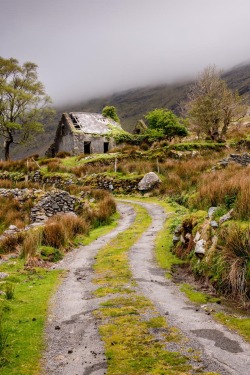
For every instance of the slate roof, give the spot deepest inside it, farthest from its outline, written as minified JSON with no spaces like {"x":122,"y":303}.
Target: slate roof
{"x":92,"y":123}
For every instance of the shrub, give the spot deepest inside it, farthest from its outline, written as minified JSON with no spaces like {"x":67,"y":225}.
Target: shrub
{"x":60,"y":229}
{"x":54,"y":235}
{"x":11,"y":243}
{"x":236,"y":256}
{"x":63,"y":154}
{"x":12,"y":212}
{"x":106,"y":208}
{"x":50,"y":254}
{"x":9,"y":291}
{"x":31,"y":242}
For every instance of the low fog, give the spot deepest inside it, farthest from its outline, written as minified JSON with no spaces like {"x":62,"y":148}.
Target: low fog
{"x":88,"y":48}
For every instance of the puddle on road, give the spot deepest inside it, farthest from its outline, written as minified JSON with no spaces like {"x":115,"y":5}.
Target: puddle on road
{"x":220,"y":340}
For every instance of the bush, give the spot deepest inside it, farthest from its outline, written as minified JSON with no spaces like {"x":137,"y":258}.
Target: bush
{"x":31,"y":242}
{"x":63,"y":154}
{"x":50,"y":254}
{"x":236,"y":256}
{"x":106,"y":209}
{"x":60,"y":229}
{"x":11,"y":243}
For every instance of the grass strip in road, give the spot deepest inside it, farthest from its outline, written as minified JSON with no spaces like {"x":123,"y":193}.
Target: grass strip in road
{"x":134,"y":334}
{"x":112,"y":268}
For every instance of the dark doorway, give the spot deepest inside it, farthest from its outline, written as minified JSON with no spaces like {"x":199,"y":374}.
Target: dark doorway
{"x":87,"y":147}
{"x":106,"y":147}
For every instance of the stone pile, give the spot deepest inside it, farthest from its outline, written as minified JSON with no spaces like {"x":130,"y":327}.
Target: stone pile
{"x":205,"y":238}
{"x":37,"y":176}
{"x":20,"y":194}
{"x":51,"y":204}
{"x":243,"y":160}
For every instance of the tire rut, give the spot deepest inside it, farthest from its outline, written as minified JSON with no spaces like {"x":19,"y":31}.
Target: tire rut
{"x":73,"y":343}
{"x":222,"y":351}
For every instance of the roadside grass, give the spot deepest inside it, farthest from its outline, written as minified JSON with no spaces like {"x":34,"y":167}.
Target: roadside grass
{"x":129,"y":323}
{"x":23,"y":310}
{"x":196,"y":296}
{"x":239,"y":324}
{"x":24,"y":315}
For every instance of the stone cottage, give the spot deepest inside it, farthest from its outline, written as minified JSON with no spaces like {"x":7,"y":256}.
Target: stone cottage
{"x":81,"y":132}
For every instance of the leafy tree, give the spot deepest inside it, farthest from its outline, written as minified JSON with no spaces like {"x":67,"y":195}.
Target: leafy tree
{"x":110,"y":112}
{"x":166,"y":122}
{"x":23,"y":103}
{"x":212,"y":106}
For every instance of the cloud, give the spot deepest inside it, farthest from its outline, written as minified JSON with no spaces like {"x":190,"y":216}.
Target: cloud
{"x":87,"y":48}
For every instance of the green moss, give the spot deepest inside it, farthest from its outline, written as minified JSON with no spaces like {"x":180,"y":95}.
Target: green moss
{"x":237,"y":323}
{"x":196,"y":296}
{"x":50,"y":254}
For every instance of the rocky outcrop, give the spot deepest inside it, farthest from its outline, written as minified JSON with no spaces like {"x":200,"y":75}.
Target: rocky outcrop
{"x":243,"y":160}
{"x":205,"y":238}
{"x":149,"y":182}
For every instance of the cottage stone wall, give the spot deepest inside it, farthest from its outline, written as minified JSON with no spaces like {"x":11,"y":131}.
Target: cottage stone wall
{"x":96,"y":143}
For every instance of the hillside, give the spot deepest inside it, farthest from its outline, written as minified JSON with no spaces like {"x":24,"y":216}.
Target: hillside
{"x":133,"y":104}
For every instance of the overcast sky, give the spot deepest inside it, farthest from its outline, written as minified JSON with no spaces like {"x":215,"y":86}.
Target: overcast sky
{"x":87,"y":48}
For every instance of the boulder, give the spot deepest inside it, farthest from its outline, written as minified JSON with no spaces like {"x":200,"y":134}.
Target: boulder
{"x":149,"y":181}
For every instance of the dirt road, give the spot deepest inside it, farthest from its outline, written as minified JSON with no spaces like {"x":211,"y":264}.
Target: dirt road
{"x":74,"y":346}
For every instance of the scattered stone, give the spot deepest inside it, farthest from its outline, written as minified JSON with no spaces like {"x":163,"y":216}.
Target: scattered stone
{"x":211,"y":212}
{"x":200,"y":248}
{"x":3,"y":275}
{"x":57,"y":327}
{"x":149,"y":181}
{"x":214,"y":224}
{"x":243,"y":160}
{"x":227,"y":216}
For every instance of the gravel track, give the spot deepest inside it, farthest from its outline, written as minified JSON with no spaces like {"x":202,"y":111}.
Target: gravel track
{"x":74,"y":345}
{"x":222,"y":351}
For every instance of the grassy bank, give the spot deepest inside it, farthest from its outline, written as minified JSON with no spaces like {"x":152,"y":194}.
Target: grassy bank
{"x":24,"y":308}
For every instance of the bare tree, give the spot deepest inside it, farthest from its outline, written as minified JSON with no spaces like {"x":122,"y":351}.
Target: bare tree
{"x":211,"y":106}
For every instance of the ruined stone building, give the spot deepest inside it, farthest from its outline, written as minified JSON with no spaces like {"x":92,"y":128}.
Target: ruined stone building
{"x":87,"y":133}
